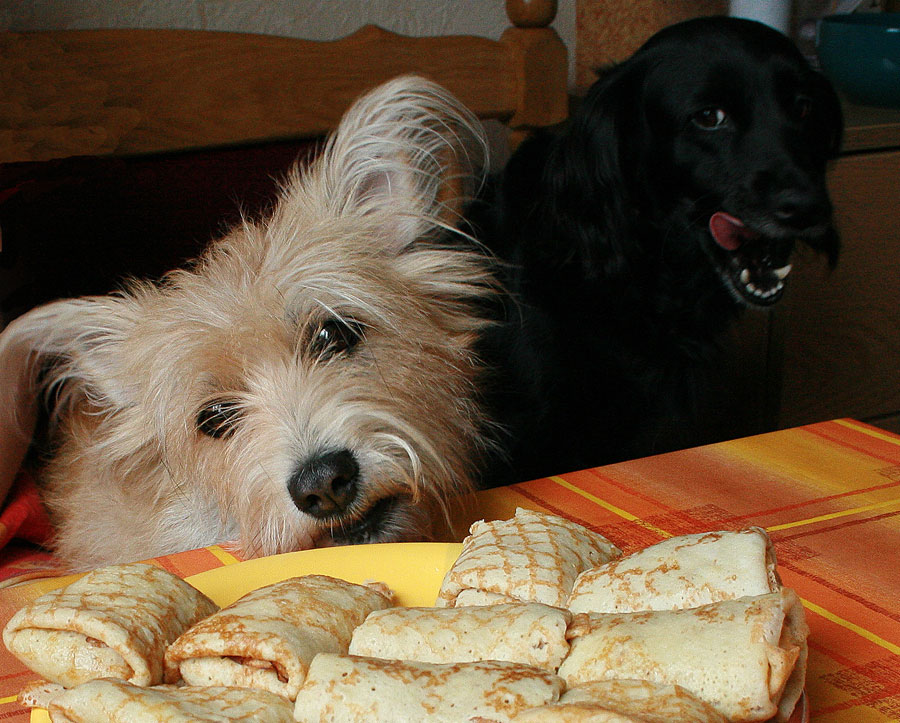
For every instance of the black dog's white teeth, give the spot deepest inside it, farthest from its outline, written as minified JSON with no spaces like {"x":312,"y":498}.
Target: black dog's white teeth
{"x":764,"y":288}
{"x":782,"y":272}
{"x":764,"y":294}
{"x":755,"y":282}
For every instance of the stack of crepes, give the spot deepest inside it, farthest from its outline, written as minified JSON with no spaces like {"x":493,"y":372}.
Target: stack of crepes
{"x":108,"y":643}
{"x":704,"y":611}
{"x":487,"y":661}
{"x":695,"y":629}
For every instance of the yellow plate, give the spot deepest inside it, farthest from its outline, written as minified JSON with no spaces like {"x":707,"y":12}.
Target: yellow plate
{"x":413,"y":570}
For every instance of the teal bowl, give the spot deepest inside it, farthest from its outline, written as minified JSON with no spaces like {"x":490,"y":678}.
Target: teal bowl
{"x":860,"y":54}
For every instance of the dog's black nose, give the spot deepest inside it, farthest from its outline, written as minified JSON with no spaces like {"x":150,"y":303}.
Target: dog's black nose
{"x":800,"y":207}
{"x":326,"y":485}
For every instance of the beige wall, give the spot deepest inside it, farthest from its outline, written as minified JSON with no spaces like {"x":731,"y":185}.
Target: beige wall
{"x":611,"y":30}
{"x":311,"y":19}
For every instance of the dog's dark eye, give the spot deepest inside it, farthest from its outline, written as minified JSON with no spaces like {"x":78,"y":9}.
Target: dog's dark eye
{"x":710,"y":119}
{"x":803,"y":106}
{"x":335,"y":336}
{"x":219,"y":418}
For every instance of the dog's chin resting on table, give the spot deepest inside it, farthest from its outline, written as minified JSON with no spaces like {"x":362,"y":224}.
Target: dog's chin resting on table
{"x":309,"y":381}
{"x":634,"y":235}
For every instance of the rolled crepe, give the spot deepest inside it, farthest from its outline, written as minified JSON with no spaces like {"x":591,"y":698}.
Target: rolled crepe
{"x":745,"y":657}
{"x":115,"y":701}
{"x":38,"y":694}
{"x":370,"y":690}
{"x":529,"y":633}
{"x":680,"y":572}
{"x":268,"y":638}
{"x":470,"y":596}
{"x":533,"y":557}
{"x":624,"y":701}
{"x":113,"y":622}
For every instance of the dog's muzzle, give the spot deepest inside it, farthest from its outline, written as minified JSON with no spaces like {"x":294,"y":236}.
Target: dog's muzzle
{"x":326,"y":486}
{"x":390,"y":519}
{"x":753,"y":246}
{"x":755,"y":267}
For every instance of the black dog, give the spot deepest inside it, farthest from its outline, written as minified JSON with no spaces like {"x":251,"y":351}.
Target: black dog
{"x":635,"y":235}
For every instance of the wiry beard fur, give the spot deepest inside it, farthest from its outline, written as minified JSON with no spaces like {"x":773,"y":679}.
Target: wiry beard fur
{"x":358,"y":245}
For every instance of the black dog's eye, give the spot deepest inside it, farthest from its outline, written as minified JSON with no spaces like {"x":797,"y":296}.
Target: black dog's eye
{"x":803,"y":106}
{"x":219,"y":418}
{"x":335,"y":336}
{"x":710,"y":119}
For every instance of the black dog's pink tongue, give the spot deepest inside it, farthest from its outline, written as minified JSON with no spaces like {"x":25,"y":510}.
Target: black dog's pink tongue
{"x":728,"y":231}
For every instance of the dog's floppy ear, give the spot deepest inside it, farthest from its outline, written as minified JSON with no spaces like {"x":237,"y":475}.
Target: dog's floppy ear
{"x":18,"y":405}
{"x":68,"y":347}
{"x":830,"y":125}
{"x":586,"y":168}
{"x":405,"y":150}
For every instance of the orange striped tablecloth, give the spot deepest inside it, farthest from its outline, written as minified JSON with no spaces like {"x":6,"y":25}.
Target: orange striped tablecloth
{"x":828,"y":493}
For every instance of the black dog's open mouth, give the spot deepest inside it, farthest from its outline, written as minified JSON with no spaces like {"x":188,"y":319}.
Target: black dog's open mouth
{"x":755,"y":267}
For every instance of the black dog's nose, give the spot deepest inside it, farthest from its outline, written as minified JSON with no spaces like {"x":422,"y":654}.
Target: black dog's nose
{"x":326,"y":485}
{"x":800,"y":207}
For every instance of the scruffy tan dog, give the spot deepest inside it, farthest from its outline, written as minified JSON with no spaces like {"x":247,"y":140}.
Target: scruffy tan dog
{"x":309,"y":381}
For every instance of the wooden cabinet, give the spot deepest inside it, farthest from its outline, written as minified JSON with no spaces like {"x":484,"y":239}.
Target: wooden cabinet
{"x":835,"y":338}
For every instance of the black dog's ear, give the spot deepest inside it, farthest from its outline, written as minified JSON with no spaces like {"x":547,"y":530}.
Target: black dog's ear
{"x":584,"y":174}
{"x":828,"y":130}
{"x":830,"y":125}
{"x":830,"y":245}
